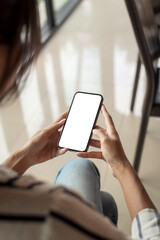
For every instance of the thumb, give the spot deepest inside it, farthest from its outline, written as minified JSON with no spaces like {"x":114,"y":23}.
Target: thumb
{"x":61,"y":151}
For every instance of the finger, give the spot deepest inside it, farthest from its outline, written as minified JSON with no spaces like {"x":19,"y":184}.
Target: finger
{"x":100,"y":133}
{"x":95,"y":143}
{"x":55,"y":126}
{"x":98,"y":127}
{"x":61,"y":151}
{"x":62,"y":116}
{"x":92,"y":154}
{"x":108,"y":120}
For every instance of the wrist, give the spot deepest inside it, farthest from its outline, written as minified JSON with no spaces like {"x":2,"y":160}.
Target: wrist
{"x":120,"y":168}
{"x":17,"y":161}
{"x":125,"y":171}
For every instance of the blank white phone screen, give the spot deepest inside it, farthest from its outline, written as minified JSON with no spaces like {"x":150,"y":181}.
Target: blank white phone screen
{"x":80,"y":121}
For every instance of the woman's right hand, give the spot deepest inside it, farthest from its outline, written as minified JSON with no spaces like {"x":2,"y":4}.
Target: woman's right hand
{"x":112,"y":152}
{"x":109,"y":143}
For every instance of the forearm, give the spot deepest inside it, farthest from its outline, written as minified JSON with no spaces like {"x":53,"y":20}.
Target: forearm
{"x":135,"y":194}
{"x":17,"y":162}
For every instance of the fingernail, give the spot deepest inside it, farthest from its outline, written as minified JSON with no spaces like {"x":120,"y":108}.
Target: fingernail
{"x":62,"y":120}
{"x":94,"y":131}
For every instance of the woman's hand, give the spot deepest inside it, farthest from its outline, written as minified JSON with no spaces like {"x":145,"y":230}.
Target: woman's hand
{"x":112,"y":152}
{"x":40,"y":148}
{"x":43,"y":145}
{"x":109,"y":143}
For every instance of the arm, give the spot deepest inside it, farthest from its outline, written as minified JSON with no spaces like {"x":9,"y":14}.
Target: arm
{"x":112,"y":152}
{"x":135,"y":194}
{"x":40,"y":148}
{"x":17,"y":162}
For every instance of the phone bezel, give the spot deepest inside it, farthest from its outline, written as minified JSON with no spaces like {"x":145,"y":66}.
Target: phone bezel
{"x":75,"y":150}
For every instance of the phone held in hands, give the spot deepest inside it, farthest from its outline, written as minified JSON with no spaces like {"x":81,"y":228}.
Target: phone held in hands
{"x":80,"y":121}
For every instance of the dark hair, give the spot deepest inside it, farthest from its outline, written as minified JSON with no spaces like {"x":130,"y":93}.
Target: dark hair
{"x":20,"y":32}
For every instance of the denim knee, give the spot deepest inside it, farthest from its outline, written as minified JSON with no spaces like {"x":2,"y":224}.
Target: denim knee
{"x":80,"y":163}
{"x":83,"y":176}
{"x":86,"y":164}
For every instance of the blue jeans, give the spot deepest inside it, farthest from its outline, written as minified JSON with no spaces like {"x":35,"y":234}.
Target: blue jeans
{"x":83,"y":176}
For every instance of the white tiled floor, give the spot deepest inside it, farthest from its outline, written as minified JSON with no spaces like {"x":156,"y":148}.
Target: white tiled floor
{"x":95,"y":50}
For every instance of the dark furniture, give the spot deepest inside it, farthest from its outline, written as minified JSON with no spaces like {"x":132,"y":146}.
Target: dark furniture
{"x":147,"y":35}
{"x":156,"y":7}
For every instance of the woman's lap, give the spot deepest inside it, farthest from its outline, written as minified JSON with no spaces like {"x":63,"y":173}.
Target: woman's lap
{"x":83,"y":176}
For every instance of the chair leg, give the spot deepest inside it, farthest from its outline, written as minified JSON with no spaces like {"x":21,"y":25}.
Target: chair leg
{"x":135,"y":83}
{"x":140,"y":143}
{"x":144,"y":123}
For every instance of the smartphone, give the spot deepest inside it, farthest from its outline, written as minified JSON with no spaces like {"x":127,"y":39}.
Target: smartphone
{"x":80,"y":121}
